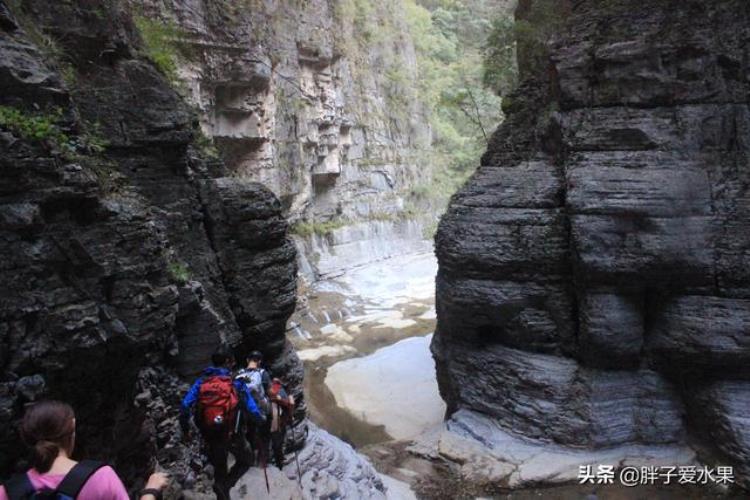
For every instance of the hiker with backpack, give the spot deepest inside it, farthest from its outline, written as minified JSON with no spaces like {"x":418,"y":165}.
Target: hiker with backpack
{"x":48,"y":428}
{"x":282,"y":411}
{"x":272,"y":398}
{"x":221,"y":400}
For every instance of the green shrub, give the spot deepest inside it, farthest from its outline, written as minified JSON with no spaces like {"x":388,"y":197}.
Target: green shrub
{"x":499,"y":70}
{"x":206,"y":145}
{"x":179,"y":272}
{"x":91,"y":141}
{"x":428,"y":232}
{"x":69,"y":75}
{"x":421,"y":191}
{"x":381,"y":216}
{"x":304,"y":229}
{"x":525,"y":39}
{"x":37,"y":127}
{"x":463,"y":112}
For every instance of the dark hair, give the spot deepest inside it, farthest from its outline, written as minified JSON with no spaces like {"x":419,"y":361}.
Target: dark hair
{"x":255,"y":356}
{"x":47,"y":427}
{"x":221,"y":355}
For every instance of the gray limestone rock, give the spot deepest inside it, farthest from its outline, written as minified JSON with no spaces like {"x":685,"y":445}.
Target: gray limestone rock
{"x":721,"y":410}
{"x":611,"y":330}
{"x":703,"y":331}
{"x":593,"y":272}
{"x":554,"y":399}
{"x":292,"y":102}
{"x":332,"y":469}
{"x":125,"y":264}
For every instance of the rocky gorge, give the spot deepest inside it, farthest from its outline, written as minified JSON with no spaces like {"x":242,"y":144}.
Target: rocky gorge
{"x":179,"y":174}
{"x":592,"y":284}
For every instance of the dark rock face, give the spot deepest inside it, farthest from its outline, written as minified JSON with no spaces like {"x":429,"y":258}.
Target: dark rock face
{"x":593,"y":282}
{"x":123,"y":266}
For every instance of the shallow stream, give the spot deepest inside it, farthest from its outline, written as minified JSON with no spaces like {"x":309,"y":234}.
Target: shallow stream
{"x":364,"y":338}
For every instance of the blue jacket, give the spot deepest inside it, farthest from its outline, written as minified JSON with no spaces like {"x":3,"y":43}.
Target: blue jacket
{"x":192,"y":396}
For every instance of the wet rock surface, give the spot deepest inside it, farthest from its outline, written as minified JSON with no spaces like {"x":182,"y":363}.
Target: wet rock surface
{"x":362,"y":337}
{"x":468,"y":436}
{"x":394,"y":387}
{"x":592,"y":288}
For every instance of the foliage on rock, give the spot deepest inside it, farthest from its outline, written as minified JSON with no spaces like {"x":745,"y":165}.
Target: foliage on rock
{"x":36,"y":127}
{"x":449,"y":37}
{"x":159,"y":44}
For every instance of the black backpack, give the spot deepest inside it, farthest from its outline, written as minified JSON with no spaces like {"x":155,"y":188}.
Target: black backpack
{"x":19,"y":486}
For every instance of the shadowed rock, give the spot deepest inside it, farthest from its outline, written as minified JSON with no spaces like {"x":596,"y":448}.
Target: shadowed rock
{"x":593,"y":271}
{"x":124,"y":265}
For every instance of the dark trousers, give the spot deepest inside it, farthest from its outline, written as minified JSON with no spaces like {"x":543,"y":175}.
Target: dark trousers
{"x":263,"y":440}
{"x":218,"y":448}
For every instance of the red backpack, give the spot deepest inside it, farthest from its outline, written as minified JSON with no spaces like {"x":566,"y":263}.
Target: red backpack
{"x":217,"y":402}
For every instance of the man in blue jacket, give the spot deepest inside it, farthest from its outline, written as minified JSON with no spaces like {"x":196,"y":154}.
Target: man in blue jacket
{"x":221,"y":401}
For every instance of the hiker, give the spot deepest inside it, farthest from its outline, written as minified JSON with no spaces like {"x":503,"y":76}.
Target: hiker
{"x":49,"y":429}
{"x":220,"y":401}
{"x":282,"y":411}
{"x":271,"y":397}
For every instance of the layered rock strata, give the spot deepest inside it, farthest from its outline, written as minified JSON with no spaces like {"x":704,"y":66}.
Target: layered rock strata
{"x":593,"y":284}
{"x":293,"y":100}
{"x":127,"y":256}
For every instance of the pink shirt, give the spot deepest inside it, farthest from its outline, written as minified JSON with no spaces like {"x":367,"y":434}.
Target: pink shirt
{"x":102,"y":485}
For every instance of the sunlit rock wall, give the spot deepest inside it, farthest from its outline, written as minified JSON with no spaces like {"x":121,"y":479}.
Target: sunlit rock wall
{"x":593,"y":287}
{"x":294,"y":100}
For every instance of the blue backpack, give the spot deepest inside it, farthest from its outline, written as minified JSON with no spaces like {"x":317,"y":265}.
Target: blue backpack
{"x":19,"y":486}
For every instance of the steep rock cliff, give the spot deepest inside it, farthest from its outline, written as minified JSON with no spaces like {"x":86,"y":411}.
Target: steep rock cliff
{"x":127,"y":258}
{"x":593,"y":283}
{"x":316,"y":101}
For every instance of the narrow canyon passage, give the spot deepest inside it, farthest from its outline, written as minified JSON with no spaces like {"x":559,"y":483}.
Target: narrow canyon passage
{"x":488,"y":248}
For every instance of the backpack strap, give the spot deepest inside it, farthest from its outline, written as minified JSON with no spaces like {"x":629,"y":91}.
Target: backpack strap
{"x":74,"y":480}
{"x":19,"y":487}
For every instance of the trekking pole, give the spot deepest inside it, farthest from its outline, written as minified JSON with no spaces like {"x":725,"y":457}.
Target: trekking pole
{"x":263,"y":460}
{"x":296,"y":457}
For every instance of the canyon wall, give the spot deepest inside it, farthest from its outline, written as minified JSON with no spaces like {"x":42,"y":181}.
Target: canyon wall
{"x":593,"y":285}
{"x":128,"y":255}
{"x":315,"y":100}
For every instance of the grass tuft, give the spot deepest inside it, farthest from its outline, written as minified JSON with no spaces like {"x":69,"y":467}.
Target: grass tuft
{"x":35,"y":127}
{"x":159,"y":44}
{"x":306,"y":229}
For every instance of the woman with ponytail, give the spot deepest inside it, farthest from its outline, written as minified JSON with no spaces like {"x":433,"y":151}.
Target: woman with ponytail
{"x":49,"y":429}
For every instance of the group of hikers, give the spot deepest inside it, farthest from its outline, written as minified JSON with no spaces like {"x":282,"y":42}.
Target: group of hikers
{"x":250,"y":407}
{"x":244,"y":413}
